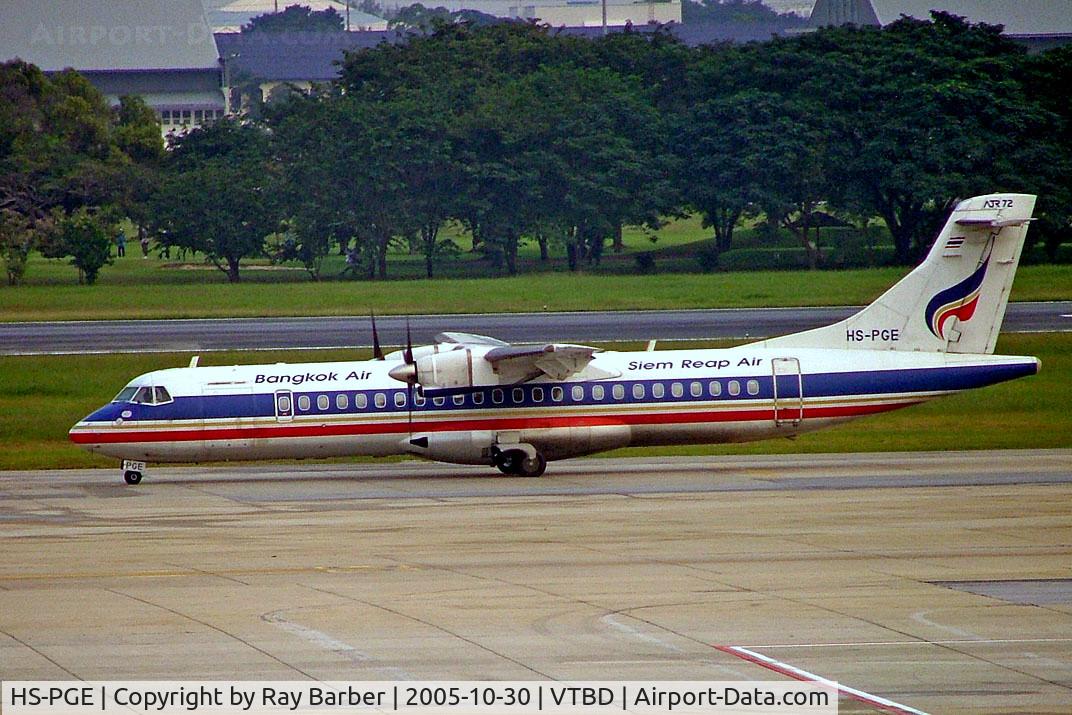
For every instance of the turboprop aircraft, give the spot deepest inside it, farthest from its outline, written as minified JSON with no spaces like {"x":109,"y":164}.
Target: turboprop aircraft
{"x":470,"y":399}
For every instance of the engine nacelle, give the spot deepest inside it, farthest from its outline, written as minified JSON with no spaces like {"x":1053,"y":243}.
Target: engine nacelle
{"x":457,"y":368}
{"x":457,"y":447}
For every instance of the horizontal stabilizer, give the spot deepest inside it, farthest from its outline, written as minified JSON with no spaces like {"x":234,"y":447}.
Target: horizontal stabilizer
{"x":992,"y":222}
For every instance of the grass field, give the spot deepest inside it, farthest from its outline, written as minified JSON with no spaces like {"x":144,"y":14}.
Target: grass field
{"x":41,"y":397}
{"x":187,"y":287}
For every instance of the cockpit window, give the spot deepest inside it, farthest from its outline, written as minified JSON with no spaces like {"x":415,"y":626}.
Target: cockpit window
{"x":125,"y":394}
{"x":143,"y":395}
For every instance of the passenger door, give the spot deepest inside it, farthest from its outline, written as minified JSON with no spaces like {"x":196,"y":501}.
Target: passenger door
{"x":788,"y":391}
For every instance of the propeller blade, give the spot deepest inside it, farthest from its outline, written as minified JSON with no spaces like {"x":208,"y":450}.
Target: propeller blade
{"x":408,"y":354}
{"x":377,"y":351}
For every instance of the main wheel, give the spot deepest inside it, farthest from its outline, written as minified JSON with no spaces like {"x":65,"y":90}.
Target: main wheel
{"x":132,"y":477}
{"x":532,"y":467}
{"x":509,"y":462}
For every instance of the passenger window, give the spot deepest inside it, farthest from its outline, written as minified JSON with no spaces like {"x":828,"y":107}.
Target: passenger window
{"x":400,"y":399}
{"x":537,"y":394}
{"x":557,"y":394}
{"x":657,"y":390}
{"x":439,"y":401}
{"x":734,"y":388}
{"x":162,"y":395}
{"x":518,"y":395}
{"x":638,"y":391}
{"x":676,"y":389}
{"x":418,"y":400}
{"x":283,"y":405}
{"x":618,"y":391}
{"x":459,"y":399}
{"x":577,"y":393}
{"x":381,"y":400}
{"x":322,"y":402}
{"x":715,"y":388}
{"x":304,"y":403}
{"x":341,"y":402}
{"x":753,"y":387}
{"x":478,"y":398}
{"x":497,"y":396}
{"x":696,"y":389}
{"x":597,"y":392}
{"x":361,"y":401}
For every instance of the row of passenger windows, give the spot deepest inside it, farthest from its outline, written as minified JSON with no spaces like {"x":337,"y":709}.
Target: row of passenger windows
{"x":518,"y":395}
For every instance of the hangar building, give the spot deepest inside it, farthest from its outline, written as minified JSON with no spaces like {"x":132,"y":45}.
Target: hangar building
{"x":161,"y":51}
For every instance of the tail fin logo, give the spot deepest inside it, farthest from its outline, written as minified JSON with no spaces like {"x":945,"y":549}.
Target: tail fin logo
{"x":958,"y":301}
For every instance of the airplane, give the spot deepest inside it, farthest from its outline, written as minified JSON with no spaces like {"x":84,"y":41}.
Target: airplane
{"x":471,"y":399}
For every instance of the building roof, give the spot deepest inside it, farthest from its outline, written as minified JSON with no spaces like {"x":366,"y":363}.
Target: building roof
{"x":231,"y":15}
{"x":293,"y":56}
{"x":107,"y":34}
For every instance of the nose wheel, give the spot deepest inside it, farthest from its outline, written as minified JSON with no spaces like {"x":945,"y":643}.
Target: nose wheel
{"x":516,"y":463}
{"x":132,"y":476}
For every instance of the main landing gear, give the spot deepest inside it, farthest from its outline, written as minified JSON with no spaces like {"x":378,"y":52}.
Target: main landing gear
{"x":515,"y":462}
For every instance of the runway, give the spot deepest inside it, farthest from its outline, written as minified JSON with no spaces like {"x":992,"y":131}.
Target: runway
{"x":939,"y":581}
{"x":354,"y":331}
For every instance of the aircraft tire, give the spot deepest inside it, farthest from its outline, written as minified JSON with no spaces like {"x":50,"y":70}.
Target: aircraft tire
{"x":131,"y":476}
{"x":509,"y":462}
{"x":532,"y":467}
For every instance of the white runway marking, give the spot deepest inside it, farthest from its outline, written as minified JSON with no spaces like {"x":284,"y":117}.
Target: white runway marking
{"x":921,"y":617}
{"x":799,"y":674}
{"x":330,"y":643}
{"x":613,"y":622}
{"x":879,"y":644}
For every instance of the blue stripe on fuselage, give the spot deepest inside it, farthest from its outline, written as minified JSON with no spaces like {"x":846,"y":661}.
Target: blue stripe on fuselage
{"x":873,"y":382}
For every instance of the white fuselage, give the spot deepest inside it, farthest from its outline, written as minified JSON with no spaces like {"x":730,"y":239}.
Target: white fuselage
{"x":641,"y":398}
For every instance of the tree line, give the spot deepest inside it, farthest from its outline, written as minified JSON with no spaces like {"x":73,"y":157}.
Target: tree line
{"x":519,"y":133}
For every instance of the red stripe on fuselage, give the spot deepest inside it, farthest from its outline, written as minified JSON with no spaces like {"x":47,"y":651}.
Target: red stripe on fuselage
{"x":121,"y":435}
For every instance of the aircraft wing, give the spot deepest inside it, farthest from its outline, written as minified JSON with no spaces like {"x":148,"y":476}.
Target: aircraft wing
{"x":519,"y":363}
{"x":468,"y":339}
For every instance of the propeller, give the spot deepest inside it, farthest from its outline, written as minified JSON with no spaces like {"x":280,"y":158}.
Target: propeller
{"x":377,"y":351}
{"x":407,"y":356}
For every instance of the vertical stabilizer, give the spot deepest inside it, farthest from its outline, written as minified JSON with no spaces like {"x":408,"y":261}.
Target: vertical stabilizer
{"x":952,"y":302}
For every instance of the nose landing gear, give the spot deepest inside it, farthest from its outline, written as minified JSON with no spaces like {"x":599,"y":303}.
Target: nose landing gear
{"x":132,"y":471}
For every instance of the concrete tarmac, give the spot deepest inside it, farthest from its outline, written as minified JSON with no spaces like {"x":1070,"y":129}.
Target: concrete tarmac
{"x":941,"y":581}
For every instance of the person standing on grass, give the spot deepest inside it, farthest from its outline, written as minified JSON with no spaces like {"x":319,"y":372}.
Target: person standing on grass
{"x":353,"y":263}
{"x":144,"y":246}
{"x":120,"y":244}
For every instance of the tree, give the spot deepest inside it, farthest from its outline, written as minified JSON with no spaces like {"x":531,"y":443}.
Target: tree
{"x":16,"y":240}
{"x":84,"y":237}
{"x":219,"y":194}
{"x":923,"y":112}
{"x":299,"y":18}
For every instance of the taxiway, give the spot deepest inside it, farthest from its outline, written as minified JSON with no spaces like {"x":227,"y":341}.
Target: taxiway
{"x":105,"y":336}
